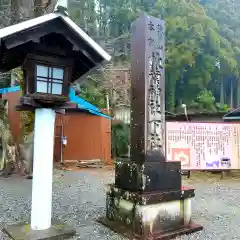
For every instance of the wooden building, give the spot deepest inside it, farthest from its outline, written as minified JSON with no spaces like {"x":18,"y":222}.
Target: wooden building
{"x":87,"y":130}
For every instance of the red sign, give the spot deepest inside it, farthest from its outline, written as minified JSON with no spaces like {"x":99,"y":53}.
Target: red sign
{"x":182,"y":155}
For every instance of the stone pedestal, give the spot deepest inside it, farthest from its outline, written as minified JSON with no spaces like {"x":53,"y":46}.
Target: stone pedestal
{"x":149,"y":203}
{"x":154,"y":174}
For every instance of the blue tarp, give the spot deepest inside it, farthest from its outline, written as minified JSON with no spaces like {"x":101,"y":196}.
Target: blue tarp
{"x":10,"y":89}
{"x":81,"y":103}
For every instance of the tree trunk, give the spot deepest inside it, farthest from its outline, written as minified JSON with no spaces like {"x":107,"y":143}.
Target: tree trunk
{"x":40,"y":6}
{"x":15,"y":12}
{"x":238,"y":91}
{"x":171,"y":93}
{"x":221,"y":91}
{"x":231,"y":94}
{"x":9,"y":148}
{"x":11,"y":161}
{"x":26,"y":158}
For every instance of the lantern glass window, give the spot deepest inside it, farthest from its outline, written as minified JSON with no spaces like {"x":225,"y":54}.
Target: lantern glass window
{"x":49,"y":79}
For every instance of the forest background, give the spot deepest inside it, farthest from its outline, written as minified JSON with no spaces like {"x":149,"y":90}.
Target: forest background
{"x":202,"y":50}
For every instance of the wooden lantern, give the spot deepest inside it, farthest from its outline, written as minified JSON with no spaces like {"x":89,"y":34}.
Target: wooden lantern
{"x":47,"y":78}
{"x":53,"y":53}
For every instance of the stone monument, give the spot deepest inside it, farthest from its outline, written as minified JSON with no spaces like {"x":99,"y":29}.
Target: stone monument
{"x":147,"y":200}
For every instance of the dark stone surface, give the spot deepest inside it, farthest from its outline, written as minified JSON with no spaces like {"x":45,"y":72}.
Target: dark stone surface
{"x":148,"y":177}
{"x":147,"y":169}
{"x":150,"y":197}
{"x":122,"y":230}
{"x":22,"y":231}
{"x":147,"y":89}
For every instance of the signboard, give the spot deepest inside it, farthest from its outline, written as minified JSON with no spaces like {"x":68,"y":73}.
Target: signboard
{"x":203,"y":145}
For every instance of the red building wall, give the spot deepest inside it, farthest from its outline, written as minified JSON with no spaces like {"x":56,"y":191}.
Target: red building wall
{"x":88,"y":136}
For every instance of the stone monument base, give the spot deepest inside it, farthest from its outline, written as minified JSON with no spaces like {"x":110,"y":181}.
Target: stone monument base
{"x":23,"y":231}
{"x":156,"y":215}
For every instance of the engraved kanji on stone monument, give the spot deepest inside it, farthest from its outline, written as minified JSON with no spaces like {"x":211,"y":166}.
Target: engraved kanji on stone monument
{"x":148,"y":98}
{"x":156,"y":84}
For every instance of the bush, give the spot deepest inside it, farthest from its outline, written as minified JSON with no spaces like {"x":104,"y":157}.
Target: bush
{"x":120,"y":139}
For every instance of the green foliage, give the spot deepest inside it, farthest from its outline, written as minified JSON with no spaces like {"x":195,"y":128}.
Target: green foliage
{"x":92,"y":92}
{"x":120,"y":139}
{"x":197,"y":34}
{"x":5,"y":80}
{"x":192,"y":44}
{"x":205,"y":101}
{"x":222,"y":107}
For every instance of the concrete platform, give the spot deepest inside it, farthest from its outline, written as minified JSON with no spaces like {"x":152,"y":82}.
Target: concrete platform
{"x":23,"y":231}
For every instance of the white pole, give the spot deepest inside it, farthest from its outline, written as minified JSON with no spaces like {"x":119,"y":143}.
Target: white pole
{"x":42,"y":169}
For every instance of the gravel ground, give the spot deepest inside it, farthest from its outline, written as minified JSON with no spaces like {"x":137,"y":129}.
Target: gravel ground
{"x":79,"y":198}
